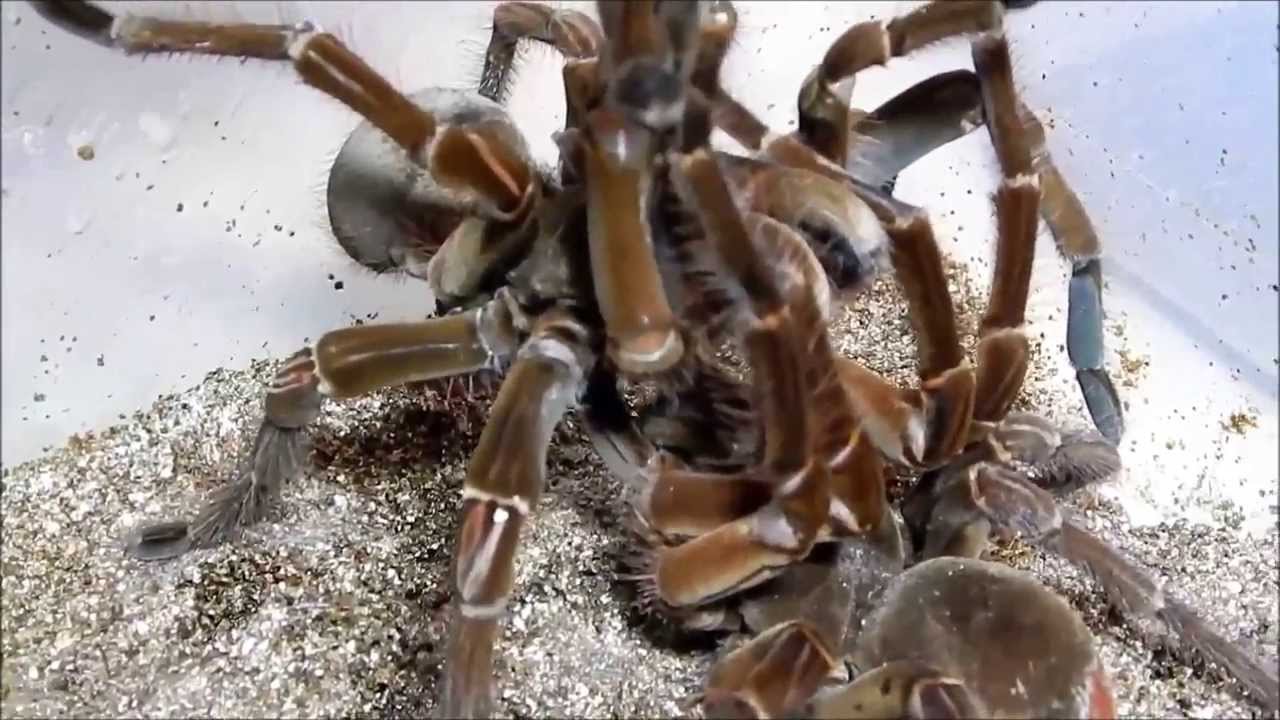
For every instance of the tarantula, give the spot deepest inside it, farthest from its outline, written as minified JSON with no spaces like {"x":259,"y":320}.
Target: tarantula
{"x":641,"y":255}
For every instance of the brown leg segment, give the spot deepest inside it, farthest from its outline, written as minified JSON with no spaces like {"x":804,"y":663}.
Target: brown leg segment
{"x":504,"y":483}
{"x":1002,"y":346}
{"x":692,"y":503}
{"x":489,"y":168}
{"x":641,"y":327}
{"x":740,"y":123}
{"x":912,"y":124}
{"x":680,"y":503}
{"x":649,"y":55}
{"x":321,"y":61}
{"x":574,"y":34}
{"x":824,"y":120}
{"x":910,"y":427}
{"x":925,"y":427}
{"x":344,"y":363}
{"x":719,"y":25}
{"x":918,"y":428}
{"x":1078,"y":242}
{"x":950,"y":399}
{"x":753,"y":548}
{"x":858,"y":502}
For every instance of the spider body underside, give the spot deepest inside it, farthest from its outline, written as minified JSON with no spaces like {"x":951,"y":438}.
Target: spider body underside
{"x":760,"y":507}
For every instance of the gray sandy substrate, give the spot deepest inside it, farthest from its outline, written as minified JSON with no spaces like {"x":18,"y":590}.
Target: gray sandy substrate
{"x":337,"y":605}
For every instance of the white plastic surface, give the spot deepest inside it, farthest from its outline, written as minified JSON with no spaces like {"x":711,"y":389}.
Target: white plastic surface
{"x":196,"y":237}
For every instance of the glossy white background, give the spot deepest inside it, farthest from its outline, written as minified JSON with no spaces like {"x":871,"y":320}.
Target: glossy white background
{"x":1164,"y":118}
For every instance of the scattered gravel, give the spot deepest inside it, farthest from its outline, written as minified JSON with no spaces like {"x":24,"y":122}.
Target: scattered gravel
{"x":336,"y":606}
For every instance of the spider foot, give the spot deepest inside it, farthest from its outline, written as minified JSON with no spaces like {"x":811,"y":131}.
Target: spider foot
{"x":278,"y":456}
{"x":1056,"y":460}
{"x":1139,"y":594}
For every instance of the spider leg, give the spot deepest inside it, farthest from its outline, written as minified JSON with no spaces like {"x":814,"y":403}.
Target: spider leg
{"x":342,"y":364}
{"x":1058,"y":461}
{"x":812,"y":194}
{"x":922,"y":428}
{"x":816,"y":477}
{"x":620,"y":107}
{"x":572,"y":33}
{"x":320,"y":59}
{"x":925,"y":426}
{"x":651,"y":51}
{"x":945,"y":107}
{"x":487,"y":159}
{"x":458,"y":196}
{"x":1002,"y":343}
{"x":754,"y":548}
{"x":824,"y":114}
{"x":738,"y":122}
{"x":1022,"y":447}
{"x":858,"y":503}
{"x":612,"y":140}
{"x":912,"y":124}
{"x":503,"y":486}
{"x":460,"y":225}
{"x":1077,"y":240}
{"x":1062,"y":212}
{"x":1137,"y":591}
{"x":643,"y":337}
{"x":1133,"y":589}
{"x":958,"y":404}
{"x":715,"y":34}
{"x":480,"y":157}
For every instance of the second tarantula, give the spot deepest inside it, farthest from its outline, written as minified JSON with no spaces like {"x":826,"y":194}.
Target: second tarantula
{"x":645,"y":253}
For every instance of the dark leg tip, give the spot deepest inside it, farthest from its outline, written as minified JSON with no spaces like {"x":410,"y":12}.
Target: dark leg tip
{"x":1081,"y":460}
{"x":159,"y":541}
{"x":1103,"y":402}
{"x":80,"y":18}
